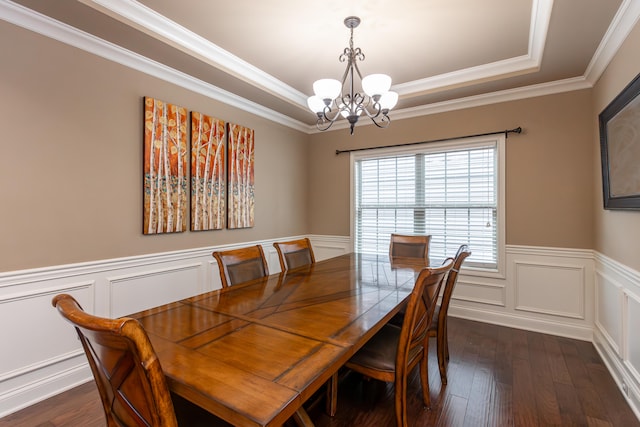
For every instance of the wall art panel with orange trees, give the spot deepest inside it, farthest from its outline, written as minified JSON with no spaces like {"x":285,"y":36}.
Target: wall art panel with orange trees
{"x":207,"y":172}
{"x":165,"y":167}
{"x":240,"y":176}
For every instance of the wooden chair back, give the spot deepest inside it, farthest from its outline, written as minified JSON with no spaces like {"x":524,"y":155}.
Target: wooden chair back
{"x":414,"y":336}
{"x":394,"y":352}
{"x":404,"y":246}
{"x":127,"y":372}
{"x":438,"y":327}
{"x":241,"y":265}
{"x":452,"y":279}
{"x":295,"y":254}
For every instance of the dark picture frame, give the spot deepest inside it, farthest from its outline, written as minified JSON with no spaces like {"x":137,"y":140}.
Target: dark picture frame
{"x":620,"y":149}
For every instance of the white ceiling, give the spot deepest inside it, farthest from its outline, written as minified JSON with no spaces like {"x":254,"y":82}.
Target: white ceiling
{"x":439,"y":53}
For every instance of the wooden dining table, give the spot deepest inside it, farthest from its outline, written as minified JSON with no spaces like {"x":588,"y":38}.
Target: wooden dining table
{"x":253,"y":353}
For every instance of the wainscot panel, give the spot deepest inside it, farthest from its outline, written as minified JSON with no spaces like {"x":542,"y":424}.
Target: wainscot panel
{"x":41,"y":355}
{"x":547,"y":290}
{"x":608,"y":319}
{"x":632,"y":344}
{"x":131,"y":293}
{"x":550,"y":289}
{"x":617,"y":314}
{"x":478,"y":292}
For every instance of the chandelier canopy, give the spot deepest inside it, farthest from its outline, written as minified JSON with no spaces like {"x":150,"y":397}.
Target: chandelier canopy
{"x":334,"y":98}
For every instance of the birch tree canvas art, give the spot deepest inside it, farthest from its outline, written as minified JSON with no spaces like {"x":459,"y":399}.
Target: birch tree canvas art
{"x":165,"y":167}
{"x":240,"y":176}
{"x":207,"y":172}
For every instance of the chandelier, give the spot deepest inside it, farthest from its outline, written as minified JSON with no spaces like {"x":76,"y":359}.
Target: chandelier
{"x":334,"y":99}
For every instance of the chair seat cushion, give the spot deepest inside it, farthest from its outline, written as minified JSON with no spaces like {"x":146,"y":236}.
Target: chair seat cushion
{"x":398,"y":319}
{"x":380,"y":351}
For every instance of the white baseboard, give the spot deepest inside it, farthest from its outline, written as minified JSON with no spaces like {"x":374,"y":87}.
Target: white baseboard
{"x":626,"y":383}
{"x":43,"y":386}
{"x":580,"y":332}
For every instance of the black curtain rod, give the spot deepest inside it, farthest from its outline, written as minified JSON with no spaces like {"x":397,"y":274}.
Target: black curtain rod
{"x":506,"y":135}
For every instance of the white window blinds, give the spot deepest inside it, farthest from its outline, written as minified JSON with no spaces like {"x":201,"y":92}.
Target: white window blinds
{"x":451,"y":194}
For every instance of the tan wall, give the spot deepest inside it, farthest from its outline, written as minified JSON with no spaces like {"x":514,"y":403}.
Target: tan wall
{"x":71,"y":159}
{"x":549,"y":186}
{"x":617,"y":233}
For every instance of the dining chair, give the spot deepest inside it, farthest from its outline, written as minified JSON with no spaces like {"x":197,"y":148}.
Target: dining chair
{"x":438,"y":328}
{"x":130,"y":380}
{"x":403,"y":246}
{"x":295,"y":253}
{"x":393,"y":353}
{"x":408,"y":249}
{"x":241,"y":265}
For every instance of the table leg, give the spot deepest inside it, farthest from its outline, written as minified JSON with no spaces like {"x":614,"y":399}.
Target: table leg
{"x":332,"y":395}
{"x":302,"y":418}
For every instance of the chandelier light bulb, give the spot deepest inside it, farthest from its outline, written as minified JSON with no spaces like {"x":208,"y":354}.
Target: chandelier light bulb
{"x":376,"y":84}
{"x":327,"y":88}
{"x":388,"y":100}
{"x":315,"y":104}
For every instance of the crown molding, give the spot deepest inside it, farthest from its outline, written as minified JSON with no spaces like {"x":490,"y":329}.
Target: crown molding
{"x":560,"y":86}
{"x":532,"y":91}
{"x":460,"y":78}
{"x":160,"y":27}
{"x":623,"y":22}
{"x":48,"y":27}
{"x":540,"y":17}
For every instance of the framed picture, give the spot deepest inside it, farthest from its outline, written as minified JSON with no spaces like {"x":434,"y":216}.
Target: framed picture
{"x":620,"y":149}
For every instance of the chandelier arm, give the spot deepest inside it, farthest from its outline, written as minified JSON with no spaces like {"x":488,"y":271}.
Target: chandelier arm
{"x":320,"y":123}
{"x":375,"y":113}
{"x":384,"y":122}
{"x":330,"y":119}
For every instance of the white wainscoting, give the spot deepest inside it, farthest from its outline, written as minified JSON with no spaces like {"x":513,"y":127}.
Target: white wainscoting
{"x":41,"y":355}
{"x":546,"y":290}
{"x":557,"y":291}
{"x":617,"y":320}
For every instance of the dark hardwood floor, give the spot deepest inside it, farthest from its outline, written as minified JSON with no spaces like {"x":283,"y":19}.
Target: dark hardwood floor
{"x":498,"y":376}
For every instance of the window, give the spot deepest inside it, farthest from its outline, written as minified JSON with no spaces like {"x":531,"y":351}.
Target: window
{"x":452,"y":191}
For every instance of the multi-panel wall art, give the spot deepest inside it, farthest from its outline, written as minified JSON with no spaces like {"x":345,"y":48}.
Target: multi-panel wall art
{"x":207,"y":172}
{"x":240,"y":176}
{"x":215,"y":195}
{"x":165,"y":167}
